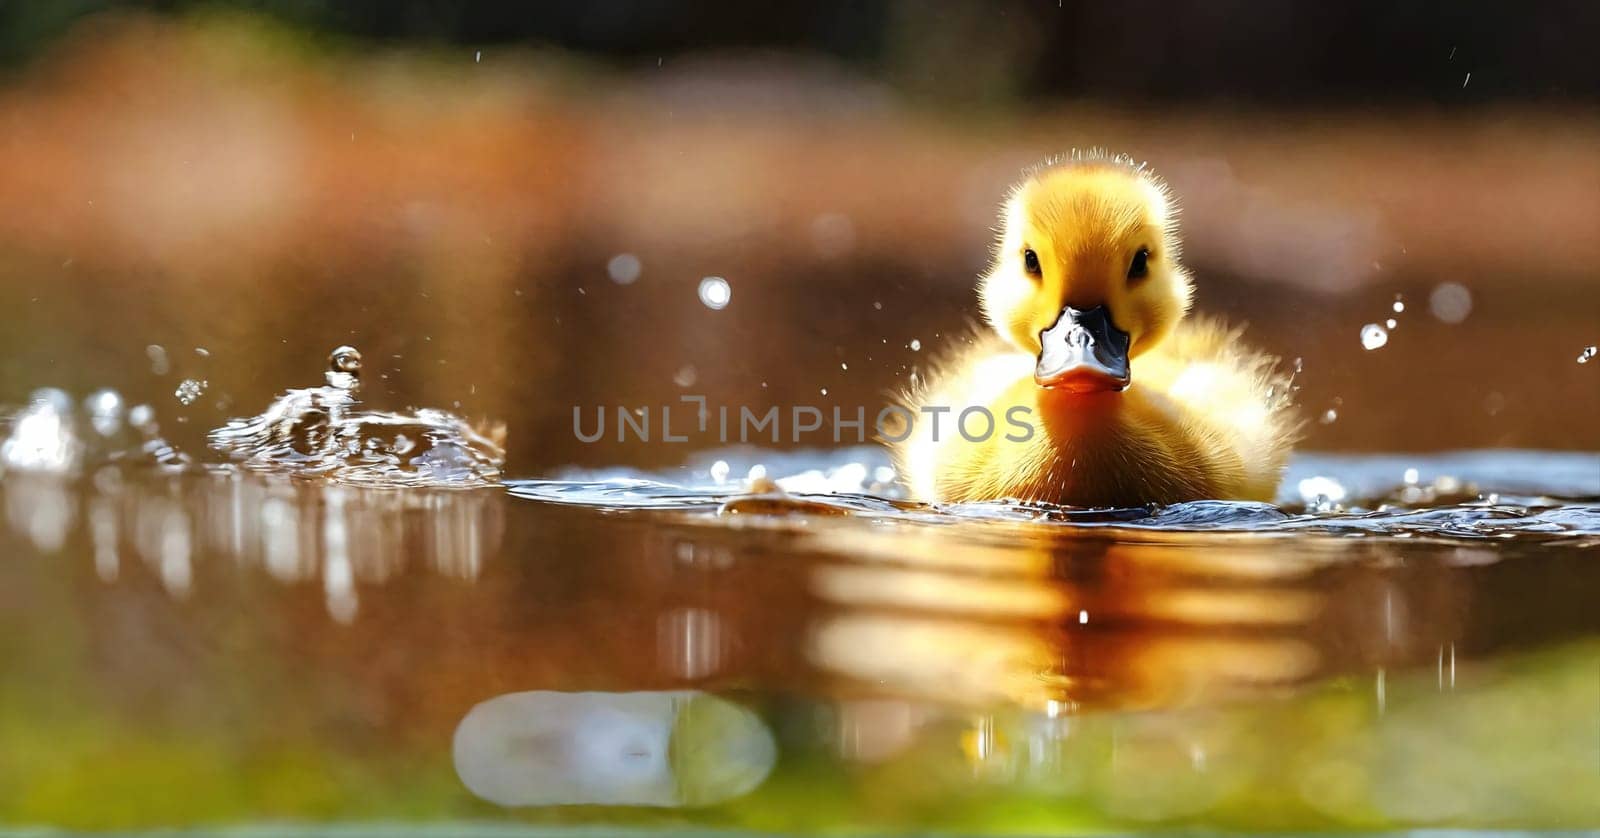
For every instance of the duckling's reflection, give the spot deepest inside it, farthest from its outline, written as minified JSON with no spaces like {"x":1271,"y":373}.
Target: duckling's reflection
{"x":295,"y":531}
{"x":1048,"y":624}
{"x":678,"y":748}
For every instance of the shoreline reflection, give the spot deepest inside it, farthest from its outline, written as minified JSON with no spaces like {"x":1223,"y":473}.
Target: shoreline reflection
{"x":295,"y":531}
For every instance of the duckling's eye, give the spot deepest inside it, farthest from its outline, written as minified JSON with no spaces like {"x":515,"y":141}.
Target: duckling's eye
{"x":1140,"y":267}
{"x":1030,"y":260}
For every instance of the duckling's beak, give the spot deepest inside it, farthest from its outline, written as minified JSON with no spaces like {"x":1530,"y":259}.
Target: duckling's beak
{"x":1083,"y":352}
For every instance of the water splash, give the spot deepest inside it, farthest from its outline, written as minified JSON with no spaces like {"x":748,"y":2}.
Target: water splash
{"x":325,"y":432}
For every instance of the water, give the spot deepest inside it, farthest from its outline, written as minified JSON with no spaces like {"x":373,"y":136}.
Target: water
{"x":299,"y":626}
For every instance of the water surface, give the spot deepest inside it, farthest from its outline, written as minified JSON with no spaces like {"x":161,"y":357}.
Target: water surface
{"x":213,"y":644}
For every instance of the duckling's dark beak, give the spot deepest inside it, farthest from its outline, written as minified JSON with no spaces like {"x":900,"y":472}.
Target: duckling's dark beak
{"x":1083,"y":352}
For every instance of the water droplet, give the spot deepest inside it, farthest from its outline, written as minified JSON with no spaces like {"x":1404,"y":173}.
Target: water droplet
{"x":916,"y":346}
{"x":1588,"y":354}
{"x":190,"y":389}
{"x":685,"y":376}
{"x":1330,"y":416}
{"x":345,"y":359}
{"x":877,"y":306}
{"x":1410,"y":477}
{"x":624,"y":268}
{"x":344,"y":368}
{"x":1450,"y":302}
{"x":719,"y":471}
{"x":844,"y":366}
{"x":1391,"y":323}
{"x":824,"y":391}
{"x":715,"y":292}
{"x":1373,"y":336}
{"x":158,"y":359}
{"x":1399,"y":305}
{"x":105,"y":411}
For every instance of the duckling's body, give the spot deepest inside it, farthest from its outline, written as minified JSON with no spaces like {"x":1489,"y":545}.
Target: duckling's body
{"x":1099,"y":395}
{"x":1197,"y":423}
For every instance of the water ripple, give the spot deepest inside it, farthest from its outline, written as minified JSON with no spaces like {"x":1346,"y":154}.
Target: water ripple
{"x":1477,"y":495}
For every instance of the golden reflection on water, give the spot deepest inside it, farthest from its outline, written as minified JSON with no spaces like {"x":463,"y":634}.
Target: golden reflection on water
{"x":1056,"y":625}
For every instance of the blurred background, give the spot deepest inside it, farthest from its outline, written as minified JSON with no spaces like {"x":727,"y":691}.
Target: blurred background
{"x":512,"y":211}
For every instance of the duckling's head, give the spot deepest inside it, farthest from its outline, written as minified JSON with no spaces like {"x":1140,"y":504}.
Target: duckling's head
{"x":1086,"y":274}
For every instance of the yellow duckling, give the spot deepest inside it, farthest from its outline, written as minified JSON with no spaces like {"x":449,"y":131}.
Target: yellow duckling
{"x":1094,"y":391}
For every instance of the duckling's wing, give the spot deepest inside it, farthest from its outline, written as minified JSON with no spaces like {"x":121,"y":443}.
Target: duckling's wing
{"x":974,"y":371}
{"x":1229,"y":394}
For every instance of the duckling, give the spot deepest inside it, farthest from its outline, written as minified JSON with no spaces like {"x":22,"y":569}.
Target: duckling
{"x":1095,"y":390}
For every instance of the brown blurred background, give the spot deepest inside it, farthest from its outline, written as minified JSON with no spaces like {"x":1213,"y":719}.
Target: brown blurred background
{"x":450,"y":190}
